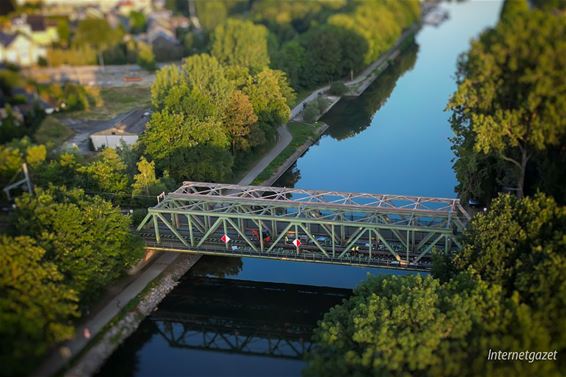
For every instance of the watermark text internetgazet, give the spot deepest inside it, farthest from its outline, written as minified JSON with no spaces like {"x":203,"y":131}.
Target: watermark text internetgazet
{"x":529,"y":356}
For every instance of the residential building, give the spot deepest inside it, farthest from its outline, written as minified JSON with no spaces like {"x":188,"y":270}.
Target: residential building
{"x":20,"y":49}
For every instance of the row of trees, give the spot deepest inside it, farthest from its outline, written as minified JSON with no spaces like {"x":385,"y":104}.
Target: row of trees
{"x":313,"y":42}
{"x":94,"y":41}
{"x":345,"y":42}
{"x":506,"y":289}
{"x":206,"y":112}
{"x":65,"y":243}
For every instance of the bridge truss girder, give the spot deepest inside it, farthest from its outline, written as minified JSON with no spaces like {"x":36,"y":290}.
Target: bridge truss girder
{"x":345,"y":228}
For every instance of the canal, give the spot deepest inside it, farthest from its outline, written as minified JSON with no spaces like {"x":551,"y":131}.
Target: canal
{"x":394,"y":138}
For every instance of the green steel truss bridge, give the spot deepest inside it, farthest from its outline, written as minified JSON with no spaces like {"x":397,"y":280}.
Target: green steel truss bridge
{"x":391,"y":231}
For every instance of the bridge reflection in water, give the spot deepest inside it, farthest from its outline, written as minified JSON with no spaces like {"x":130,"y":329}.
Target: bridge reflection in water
{"x":244,"y":317}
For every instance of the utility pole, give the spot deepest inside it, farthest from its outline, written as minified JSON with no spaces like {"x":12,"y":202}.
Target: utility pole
{"x":26,"y":181}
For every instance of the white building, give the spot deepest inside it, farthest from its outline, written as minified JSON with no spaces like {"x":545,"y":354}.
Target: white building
{"x":112,"y":138}
{"x":19,"y":49}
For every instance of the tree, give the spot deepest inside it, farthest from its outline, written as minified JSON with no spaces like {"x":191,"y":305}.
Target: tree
{"x":513,"y":7}
{"x":238,"y":42}
{"x":203,"y":162}
{"x":165,"y":79}
{"x":521,"y":246}
{"x":145,"y":56}
{"x":416,"y":326}
{"x":239,"y":118}
{"x":106,"y":174}
{"x":146,"y":182}
{"x":268,"y":98}
{"x":97,"y":33}
{"x":137,"y":21}
{"x":311,"y":112}
{"x":211,"y":13}
{"x":36,"y":307}
{"x":64,"y":32}
{"x":86,"y":237}
{"x":507,"y":101}
{"x":290,"y":59}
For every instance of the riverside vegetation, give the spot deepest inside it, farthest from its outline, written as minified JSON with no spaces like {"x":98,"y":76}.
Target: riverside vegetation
{"x":507,"y":288}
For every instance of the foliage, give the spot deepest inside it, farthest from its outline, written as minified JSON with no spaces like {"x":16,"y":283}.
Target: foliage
{"x":211,"y":13}
{"x":137,"y":22}
{"x":84,"y":55}
{"x":145,"y":57}
{"x":270,"y":96}
{"x":239,"y":118}
{"x":311,"y":112}
{"x":413,"y":325}
{"x":96,"y":33}
{"x":521,"y":246}
{"x":64,"y":32}
{"x":203,"y":107}
{"x":338,"y":88}
{"x":85,"y":236}
{"x":507,"y":105}
{"x":241,"y":43}
{"x":106,"y":174}
{"x":146,"y":182}
{"x":36,"y":307}
{"x":378,"y":22}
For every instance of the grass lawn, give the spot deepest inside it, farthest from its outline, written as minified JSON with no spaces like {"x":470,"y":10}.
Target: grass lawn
{"x":113,"y":101}
{"x":301,"y":132}
{"x":52,"y":131}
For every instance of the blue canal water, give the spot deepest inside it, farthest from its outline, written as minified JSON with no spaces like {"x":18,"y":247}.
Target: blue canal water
{"x":393,"y":139}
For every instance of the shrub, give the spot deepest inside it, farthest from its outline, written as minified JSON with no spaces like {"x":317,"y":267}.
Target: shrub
{"x":338,"y":88}
{"x":311,"y":112}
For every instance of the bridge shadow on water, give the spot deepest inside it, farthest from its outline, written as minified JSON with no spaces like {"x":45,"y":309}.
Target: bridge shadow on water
{"x":209,"y":313}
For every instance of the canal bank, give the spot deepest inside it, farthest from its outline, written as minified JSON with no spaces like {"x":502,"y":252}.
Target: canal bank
{"x":392,"y":139}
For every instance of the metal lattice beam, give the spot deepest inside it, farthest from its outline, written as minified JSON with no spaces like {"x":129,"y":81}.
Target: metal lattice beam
{"x":396,"y":231}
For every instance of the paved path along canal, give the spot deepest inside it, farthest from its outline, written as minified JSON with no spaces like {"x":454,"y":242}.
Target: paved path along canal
{"x":391,"y":139}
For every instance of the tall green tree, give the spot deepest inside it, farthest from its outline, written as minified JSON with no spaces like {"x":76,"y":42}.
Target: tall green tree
{"x":238,"y":42}
{"x":511,"y":100}
{"x":521,"y":246}
{"x":106,"y":174}
{"x":416,"y":326}
{"x":88,"y":239}
{"x":36,"y":307}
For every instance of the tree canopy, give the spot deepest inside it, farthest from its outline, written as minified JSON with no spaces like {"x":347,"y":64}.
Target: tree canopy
{"x":85,"y":236}
{"x":36,"y":308}
{"x":510,"y":103}
{"x":204,"y":107}
{"x":238,"y":42}
{"x":413,"y":325}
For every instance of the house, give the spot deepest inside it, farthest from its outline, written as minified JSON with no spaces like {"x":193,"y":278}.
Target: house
{"x":41,"y":31}
{"x":20,"y":49}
